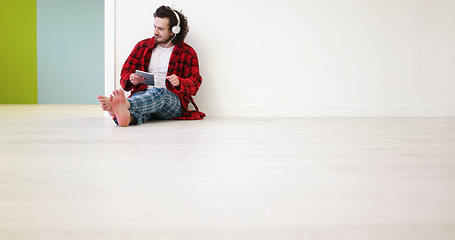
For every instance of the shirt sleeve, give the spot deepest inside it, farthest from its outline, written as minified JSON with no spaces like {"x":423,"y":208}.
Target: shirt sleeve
{"x":190,"y":79}
{"x":132,"y":63}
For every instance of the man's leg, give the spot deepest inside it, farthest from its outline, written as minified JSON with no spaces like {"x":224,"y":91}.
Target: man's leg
{"x":140,"y":106}
{"x":155,"y":102}
{"x":171,"y":108}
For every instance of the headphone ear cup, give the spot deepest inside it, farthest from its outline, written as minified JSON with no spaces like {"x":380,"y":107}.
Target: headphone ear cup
{"x":176,"y":29}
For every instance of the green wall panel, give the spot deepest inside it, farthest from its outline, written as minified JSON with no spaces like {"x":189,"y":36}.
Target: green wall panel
{"x":18,"y":66}
{"x":70,"y":40}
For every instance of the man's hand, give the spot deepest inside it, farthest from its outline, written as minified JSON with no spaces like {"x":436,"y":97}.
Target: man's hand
{"x":174,"y":80}
{"x":136,"y":79}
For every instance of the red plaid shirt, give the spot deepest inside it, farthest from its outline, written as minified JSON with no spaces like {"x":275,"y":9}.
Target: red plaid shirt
{"x":183,"y":63}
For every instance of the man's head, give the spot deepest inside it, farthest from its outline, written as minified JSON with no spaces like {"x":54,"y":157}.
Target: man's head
{"x":165,"y":19}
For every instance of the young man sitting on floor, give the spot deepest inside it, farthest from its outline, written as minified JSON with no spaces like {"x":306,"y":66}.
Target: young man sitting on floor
{"x":175,"y":67}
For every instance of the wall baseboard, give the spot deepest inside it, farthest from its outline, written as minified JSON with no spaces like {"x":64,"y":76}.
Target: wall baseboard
{"x":233,"y":110}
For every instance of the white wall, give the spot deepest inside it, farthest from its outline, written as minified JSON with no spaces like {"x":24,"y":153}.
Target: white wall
{"x":312,"y":57}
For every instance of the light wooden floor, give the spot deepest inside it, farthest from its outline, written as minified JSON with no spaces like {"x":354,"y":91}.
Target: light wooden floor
{"x":67,"y":172}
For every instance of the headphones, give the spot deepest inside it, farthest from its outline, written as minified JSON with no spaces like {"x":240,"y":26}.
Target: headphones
{"x":176,"y":29}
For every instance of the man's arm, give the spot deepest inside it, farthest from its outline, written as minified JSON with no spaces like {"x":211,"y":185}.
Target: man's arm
{"x":190,"y":80}
{"x":128,"y":79}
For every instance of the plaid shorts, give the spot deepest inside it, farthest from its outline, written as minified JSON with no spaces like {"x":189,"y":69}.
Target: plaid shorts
{"x":154,"y":103}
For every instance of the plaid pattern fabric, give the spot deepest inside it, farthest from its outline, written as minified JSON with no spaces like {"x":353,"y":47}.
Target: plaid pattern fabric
{"x":183,"y":63}
{"x":155,"y":103}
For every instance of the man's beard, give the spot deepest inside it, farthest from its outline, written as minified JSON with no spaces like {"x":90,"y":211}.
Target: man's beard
{"x":163,"y":42}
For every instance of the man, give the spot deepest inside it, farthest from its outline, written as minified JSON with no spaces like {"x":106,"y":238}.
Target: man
{"x":176,"y":70}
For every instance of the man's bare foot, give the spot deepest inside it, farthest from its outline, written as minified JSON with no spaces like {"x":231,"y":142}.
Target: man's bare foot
{"x":106,"y":104}
{"x":120,"y":107}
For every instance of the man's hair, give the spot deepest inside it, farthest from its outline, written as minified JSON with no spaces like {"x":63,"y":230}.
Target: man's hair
{"x":167,"y":12}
